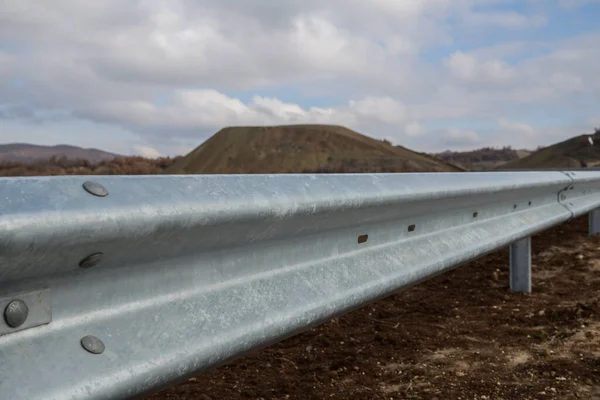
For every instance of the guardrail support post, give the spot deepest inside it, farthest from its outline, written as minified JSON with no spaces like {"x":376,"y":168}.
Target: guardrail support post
{"x":520,"y":265}
{"x":594,"y":222}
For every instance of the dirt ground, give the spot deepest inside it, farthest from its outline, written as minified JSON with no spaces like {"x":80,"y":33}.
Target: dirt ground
{"x":462,"y":335}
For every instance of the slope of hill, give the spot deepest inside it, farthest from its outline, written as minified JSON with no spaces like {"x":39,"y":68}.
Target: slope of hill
{"x":482,"y":159}
{"x":576,"y":152}
{"x":301,"y":149}
{"x":24,"y":152}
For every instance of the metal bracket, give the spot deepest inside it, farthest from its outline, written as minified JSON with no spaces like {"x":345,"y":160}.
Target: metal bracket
{"x":25,"y":310}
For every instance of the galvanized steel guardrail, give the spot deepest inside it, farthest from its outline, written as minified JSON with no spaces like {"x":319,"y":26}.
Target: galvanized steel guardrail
{"x":117,"y":286}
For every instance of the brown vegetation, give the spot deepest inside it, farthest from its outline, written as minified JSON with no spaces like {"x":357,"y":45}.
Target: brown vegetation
{"x":485,"y":158}
{"x":66,"y":166}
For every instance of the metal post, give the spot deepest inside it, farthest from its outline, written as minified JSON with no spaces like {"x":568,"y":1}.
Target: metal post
{"x":520,"y":265}
{"x":594,"y":222}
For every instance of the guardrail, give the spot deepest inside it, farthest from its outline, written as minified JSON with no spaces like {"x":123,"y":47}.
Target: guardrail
{"x":120,"y":286}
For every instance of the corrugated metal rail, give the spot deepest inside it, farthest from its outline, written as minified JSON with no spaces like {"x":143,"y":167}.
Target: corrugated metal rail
{"x":116,"y":287}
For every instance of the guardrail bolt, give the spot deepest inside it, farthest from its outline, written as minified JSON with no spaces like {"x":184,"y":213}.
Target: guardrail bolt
{"x":91,"y":260}
{"x":95,"y":188}
{"x":92,"y":344}
{"x":16,"y":313}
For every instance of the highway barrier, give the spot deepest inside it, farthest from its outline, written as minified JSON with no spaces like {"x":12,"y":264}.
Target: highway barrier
{"x":114,"y":287}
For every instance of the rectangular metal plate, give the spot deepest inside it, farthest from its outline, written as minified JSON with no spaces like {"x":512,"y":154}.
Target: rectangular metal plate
{"x":39,"y":309}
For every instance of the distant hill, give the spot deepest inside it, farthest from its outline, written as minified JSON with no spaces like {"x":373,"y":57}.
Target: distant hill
{"x":24,"y":153}
{"x":576,"y":152}
{"x":483,"y":159}
{"x":301,"y":149}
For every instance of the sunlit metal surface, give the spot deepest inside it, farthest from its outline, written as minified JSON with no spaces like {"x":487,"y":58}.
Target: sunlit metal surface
{"x":168,"y":276}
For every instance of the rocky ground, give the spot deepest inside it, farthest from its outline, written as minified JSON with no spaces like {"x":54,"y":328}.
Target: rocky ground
{"x":462,"y":335}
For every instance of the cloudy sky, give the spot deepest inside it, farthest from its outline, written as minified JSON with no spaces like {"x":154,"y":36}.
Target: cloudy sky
{"x":159,"y":77}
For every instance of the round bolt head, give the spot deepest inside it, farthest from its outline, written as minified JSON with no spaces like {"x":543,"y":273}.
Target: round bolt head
{"x":16,"y":313}
{"x":92,"y":344}
{"x":95,"y":188}
{"x":91,"y":260}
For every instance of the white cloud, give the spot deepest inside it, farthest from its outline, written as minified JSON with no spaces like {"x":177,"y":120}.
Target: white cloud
{"x":384,"y":109}
{"x":279,"y":109}
{"x":510,"y":19}
{"x":466,"y":67}
{"x":576,"y":3}
{"x":516,"y":128}
{"x":172,"y":72}
{"x":414,"y":129}
{"x":146,"y":151}
{"x":189,"y":112}
{"x":323,"y":46}
{"x":408,"y":9}
{"x":210,"y":44}
{"x":459,"y":136}
{"x":400,"y":46}
{"x":6,"y":64}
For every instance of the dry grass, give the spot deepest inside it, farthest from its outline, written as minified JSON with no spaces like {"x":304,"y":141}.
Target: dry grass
{"x":486,"y":158}
{"x":64,"y":166}
{"x":301,"y":148}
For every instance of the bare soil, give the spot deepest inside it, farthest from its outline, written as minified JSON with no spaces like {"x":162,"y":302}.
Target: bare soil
{"x":462,"y":335}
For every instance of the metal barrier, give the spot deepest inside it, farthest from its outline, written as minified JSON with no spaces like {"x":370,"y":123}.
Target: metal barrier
{"x":119,"y":287}
{"x":520,"y":265}
{"x":594,"y":222}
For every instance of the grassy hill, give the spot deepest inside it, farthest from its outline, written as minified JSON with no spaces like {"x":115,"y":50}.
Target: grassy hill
{"x":301,"y":149}
{"x":576,"y":152}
